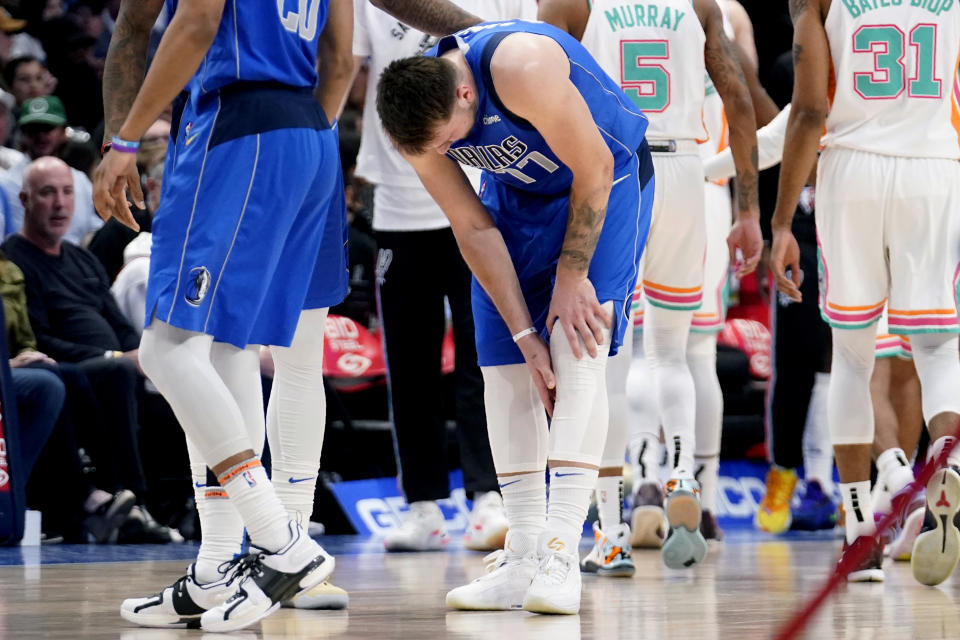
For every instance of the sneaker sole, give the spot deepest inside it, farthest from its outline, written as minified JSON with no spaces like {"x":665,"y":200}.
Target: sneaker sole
{"x":774,"y":530}
{"x":494,"y":540}
{"x":867,"y":575}
{"x":685,"y":546}
{"x":901,"y":549}
{"x":324,"y":602}
{"x":936,"y":552}
{"x":161,"y":621}
{"x":621,"y":570}
{"x":460,"y":603}
{"x":538,"y":604}
{"x":645,"y":525}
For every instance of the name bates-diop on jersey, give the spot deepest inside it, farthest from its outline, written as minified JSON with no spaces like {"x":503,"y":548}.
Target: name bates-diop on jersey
{"x":510,"y":156}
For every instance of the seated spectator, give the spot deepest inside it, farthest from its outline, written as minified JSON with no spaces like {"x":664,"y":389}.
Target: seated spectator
{"x":61,"y":490}
{"x":43,"y":133}
{"x":28,"y":78}
{"x":76,"y":320}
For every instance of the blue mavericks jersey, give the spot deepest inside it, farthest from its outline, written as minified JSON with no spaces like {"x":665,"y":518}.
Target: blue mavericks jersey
{"x":508,"y":147}
{"x":262,"y":41}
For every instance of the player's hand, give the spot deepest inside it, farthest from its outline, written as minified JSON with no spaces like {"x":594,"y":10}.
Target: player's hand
{"x":114,"y":178}
{"x":536,"y":353}
{"x":784,"y":255}
{"x":745,"y":235}
{"x":575,"y":306}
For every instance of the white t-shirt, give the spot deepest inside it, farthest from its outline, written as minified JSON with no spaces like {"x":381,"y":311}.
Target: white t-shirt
{"x":85,"y":218}
{"x":384,"y":39}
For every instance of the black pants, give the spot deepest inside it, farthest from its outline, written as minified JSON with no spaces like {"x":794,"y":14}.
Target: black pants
{"x":415,"y":271}
{"x":801,"y":349}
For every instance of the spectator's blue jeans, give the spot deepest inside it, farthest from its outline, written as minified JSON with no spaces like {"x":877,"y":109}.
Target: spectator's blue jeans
{"x":40,"y":395}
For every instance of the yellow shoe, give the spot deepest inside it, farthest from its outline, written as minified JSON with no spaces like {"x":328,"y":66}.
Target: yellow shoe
{"x":773,"y":514}
{"x":322,"y":596}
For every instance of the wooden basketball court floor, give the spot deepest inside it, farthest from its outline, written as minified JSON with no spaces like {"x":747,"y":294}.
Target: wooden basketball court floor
{"x":747,"y":586}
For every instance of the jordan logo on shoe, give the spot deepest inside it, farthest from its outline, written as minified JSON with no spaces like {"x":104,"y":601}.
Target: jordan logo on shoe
{"x":556,"y":544}
{"x":943,"y":502}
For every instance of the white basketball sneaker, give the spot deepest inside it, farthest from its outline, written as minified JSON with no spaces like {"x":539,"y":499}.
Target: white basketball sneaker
{"x":181,"y":604}
{"x":556,"y":586}
{"x":267,"y":579}
{"x":487,"y":527}
{"x":423,"y":529}
{"x":503,"y":587}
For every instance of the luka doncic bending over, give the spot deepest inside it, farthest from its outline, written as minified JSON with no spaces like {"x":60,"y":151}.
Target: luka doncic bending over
{"x":250,"y":179}
{"x":556,"y":235}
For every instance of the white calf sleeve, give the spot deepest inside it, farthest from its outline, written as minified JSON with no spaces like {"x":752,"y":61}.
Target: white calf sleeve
{"x":516,"y":420}
{"x":618,"y":368}
{"x":240,"y":371}
{"x":178,"y":363}
{"x":849,"y":407}
{"x":578,"y":429}
{"x":296,"y":415}
{"x":817,"y":452}
{"x":643,"y":446}
{"x":702,"y":360}
{"x":938,"y":366}
{"x":665,"y":343}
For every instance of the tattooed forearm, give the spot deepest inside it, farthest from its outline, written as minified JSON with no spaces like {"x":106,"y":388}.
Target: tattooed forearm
{"x":436,"y":17}
{"x":583,"y":232}
{"x":748,"y":195}
{"x":721,"y":61}
{"x":126,"y":61}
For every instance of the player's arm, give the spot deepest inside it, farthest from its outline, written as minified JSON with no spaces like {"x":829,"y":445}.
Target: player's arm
{"x":568,"y":15}
{"x":720,"y":56}
{"x":811,"y":59}
{"x":486,"y":254}
{"x":335,"y":66}
{"x":525,"y":68}
{"x":126,"y":60}
{"x":184,"y":44}
{"x":436,"y":17}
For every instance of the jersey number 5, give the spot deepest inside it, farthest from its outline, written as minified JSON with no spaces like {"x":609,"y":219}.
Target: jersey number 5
{"x":648,"y":84}
{"x":889,"y":78}
{"x":303,"y":21}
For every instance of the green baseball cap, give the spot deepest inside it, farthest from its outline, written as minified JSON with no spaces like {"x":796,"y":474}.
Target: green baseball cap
{"x":43,"y":110}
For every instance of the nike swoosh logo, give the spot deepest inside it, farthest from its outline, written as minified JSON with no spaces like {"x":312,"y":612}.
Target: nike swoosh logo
{"x":557,"y":474}
{"x":507,"y":484}
{"x":190,"y":140}
{"x":293,"y":480}
{"x":617,"y":181}
{"x":198,"y":485}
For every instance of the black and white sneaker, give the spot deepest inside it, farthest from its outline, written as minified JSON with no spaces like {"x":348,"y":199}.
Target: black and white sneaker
{"x":267,"y":579}
{"x":181,"y":604}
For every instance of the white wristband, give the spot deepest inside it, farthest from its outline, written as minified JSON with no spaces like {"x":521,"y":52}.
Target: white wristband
{"x":525,"y":332}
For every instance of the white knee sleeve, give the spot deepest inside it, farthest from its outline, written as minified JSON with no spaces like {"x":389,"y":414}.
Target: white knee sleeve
{"x":240,"y":371}
{"x":618,"y":368}
{"x":849,"y":407}
{"x":297,"y":413}
{"x":178,"y":363}
{"x":665,"y":334}
{"x":643,"y":446}
{"x":578,"y":430}
{"x":516,"y":420}
{"x":938,"y":366}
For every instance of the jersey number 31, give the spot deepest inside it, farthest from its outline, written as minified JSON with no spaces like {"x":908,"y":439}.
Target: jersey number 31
{"x":887,"y":43}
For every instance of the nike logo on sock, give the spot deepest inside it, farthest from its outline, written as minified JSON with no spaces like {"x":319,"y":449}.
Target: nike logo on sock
{"x":507,"y":484}
{"x":198,"y":485}
{"x":293,"y":480}
{"x":557,"y":474}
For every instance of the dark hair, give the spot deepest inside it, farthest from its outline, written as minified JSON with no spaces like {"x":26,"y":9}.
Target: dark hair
{"x":10,"y":69}
{"x":414,"y":95}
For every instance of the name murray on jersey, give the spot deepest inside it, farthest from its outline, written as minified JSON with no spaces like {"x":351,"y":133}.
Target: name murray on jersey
{"x":638,"y":14}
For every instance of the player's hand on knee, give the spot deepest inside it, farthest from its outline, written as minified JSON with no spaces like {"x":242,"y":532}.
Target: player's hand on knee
{"x":536,"y":353}
{"x":784,"y":255}
{"x":574,"y":304}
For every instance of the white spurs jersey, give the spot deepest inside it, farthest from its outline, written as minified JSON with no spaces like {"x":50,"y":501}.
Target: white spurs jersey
{"x":654,"y":50}
{"x":384,"y":39}
{"x":895,"y":69}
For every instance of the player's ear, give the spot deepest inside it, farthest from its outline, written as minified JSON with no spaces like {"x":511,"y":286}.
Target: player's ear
{"x":465,"y":94}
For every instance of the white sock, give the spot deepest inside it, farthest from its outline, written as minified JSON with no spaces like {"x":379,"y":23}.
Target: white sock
{"x":858,"y":510}
{"x":934,"y":451}
{"x":223,"y":534}
{"x":570,"y":489}
{"x":610,"y":501}
{"x":525,"y":502}
{"x":296,"y":415}
{"x":665,"y":334}
{"x":256,"y":501}
{"x":708,"y":471}
{"x":817,"y":451}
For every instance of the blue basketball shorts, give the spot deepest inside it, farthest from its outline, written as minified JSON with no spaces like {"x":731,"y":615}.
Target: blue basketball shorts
{"x":252,"y":223}
{"x":533,"y":227}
